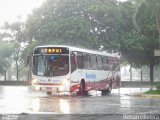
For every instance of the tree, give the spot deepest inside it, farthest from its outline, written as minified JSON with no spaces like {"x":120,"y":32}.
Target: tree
{"x":15,"y":35}
{"x":5,"y":53}
{"x":146,"y":24}
{"x":157,"y":6}
{"x":95,"y":23}
{"x":68,"y":22}
{"x":131,"y":48}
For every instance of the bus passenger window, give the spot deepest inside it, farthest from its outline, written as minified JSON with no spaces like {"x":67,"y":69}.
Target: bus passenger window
{"x":111,"y":62}
{"x":116,"y":65}
{"x":80,"y":60}
{"x":73,"y":62}
{"x":86,"y":61}
{"x":105,"y":63}
{"x":99,"y":63}
{"x":93,"y":62}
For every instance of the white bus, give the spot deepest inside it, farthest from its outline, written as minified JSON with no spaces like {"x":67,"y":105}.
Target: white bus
{"x":71,"y":69}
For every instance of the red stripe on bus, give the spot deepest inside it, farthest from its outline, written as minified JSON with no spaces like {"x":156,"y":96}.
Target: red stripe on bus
{"x":92,"y":86}
{"x":74,"y":87}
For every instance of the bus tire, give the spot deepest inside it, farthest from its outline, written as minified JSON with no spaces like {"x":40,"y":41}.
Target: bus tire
{"x":82,"y":90}
{"x":49,"y":92}
{"x":107,"y":91}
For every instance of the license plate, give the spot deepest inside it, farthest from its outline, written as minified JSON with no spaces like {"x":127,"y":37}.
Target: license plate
{"x":48,"y":88}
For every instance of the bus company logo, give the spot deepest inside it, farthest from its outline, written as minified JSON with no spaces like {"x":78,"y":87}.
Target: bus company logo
{"x":56,"y":81}
{"x":9,"y":117}
{"x":90,"y":76}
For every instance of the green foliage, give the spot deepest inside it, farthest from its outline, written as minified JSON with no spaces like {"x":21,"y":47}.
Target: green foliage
{"x":146,"y":24}
{"x":157,"y":86}
{"x":27,"y":50}
{"x":90,"y":24}
{"x":5,"y":50}
{"x":5,"y":53}
{"x":153,"y":92}
{"x":94,"y":23}
{"x":78,"y":23}
{"x":14,"y":34}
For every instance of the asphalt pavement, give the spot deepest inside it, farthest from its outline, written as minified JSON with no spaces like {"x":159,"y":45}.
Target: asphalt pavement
{"x":22,"y":103}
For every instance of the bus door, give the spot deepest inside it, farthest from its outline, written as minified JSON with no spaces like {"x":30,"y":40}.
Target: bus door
{"x":76,"y":65}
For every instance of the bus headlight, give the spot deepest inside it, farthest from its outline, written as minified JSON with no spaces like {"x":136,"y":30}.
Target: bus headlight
{"x":65,"y":81}
{"x":61,"y":88}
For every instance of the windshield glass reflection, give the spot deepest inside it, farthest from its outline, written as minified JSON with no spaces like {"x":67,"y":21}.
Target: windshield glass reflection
{"x":51,"y":65}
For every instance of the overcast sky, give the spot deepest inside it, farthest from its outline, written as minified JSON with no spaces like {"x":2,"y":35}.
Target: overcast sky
{"x":11,"y":9}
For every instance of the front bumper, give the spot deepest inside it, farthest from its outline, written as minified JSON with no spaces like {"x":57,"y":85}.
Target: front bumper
{"x":55,"y":88}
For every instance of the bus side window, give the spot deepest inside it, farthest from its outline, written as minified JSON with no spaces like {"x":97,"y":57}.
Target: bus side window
{"x":80,"y":60}
{"x":99,"y":63}
{"x":105,"y":63}
{"x":116,"y":65}
{"x":111,"y":62}
{"x":73,"y":62}
{"x":86,"y":61}
{"x":93,"y":62}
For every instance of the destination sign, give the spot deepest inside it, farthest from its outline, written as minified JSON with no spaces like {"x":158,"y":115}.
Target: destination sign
{"x":51,"y":50}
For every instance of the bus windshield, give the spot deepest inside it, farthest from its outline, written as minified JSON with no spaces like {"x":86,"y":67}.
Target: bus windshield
{"x":50,"y":65}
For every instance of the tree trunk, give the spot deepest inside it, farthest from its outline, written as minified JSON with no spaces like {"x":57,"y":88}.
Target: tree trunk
{"x":151,"y":73}
{"x":130,"y":72}
{"x":141,"y":75}
{"x":17,"y":70}
{"x":5,"y":75}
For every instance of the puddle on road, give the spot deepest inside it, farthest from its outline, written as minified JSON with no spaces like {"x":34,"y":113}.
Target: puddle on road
{"x":13,"y":99}
{"x":130,"y":90}
{"x":22,"y":99}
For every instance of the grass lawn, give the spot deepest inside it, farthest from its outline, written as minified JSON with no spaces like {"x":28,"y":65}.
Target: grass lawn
{"x":154,"y":92}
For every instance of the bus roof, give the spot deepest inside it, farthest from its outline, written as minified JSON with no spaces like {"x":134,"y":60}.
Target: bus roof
{"x":83,"y":50}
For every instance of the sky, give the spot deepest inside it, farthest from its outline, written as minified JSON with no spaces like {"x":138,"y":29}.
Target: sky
{"x":11,"y":9}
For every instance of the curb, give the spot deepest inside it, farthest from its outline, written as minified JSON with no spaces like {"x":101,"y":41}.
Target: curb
{"x":144,"y":95}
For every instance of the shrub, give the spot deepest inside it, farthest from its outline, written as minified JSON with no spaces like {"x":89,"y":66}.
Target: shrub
{"x":157,"y":86}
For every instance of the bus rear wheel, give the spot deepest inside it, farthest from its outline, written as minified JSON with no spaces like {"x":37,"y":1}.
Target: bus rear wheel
{"x":107,"y":91}
{"x":49,"y":92}
{"x":82,"y":90}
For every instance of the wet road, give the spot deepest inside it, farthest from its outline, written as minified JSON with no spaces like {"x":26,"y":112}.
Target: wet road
{"x":22,"y":100}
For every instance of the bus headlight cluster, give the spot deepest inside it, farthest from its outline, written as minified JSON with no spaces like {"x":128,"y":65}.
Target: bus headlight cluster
{"x":61,"y":88}
{"x":65,"y":81}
